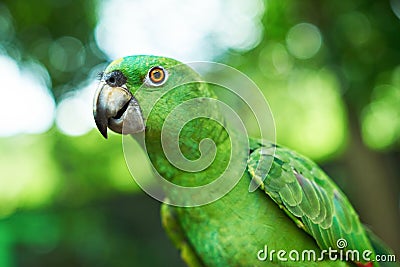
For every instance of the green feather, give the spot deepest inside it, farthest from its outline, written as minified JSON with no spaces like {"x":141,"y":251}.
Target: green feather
{"x":297,"y":207}
{"x":316,"y":201}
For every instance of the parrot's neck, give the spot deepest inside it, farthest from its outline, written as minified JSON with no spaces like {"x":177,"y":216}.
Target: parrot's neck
{"x":191,"y":135}
{"x":195,"y":125}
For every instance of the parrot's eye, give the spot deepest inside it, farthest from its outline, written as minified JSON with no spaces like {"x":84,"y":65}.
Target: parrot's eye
{"x":156,"y":76}
{"x":115,"y":78}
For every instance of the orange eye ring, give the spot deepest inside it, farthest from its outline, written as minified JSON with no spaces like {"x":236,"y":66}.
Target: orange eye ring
{"x":157,"y":76}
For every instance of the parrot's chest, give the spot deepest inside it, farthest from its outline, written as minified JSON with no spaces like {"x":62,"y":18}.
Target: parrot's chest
{"x":232,"y":230}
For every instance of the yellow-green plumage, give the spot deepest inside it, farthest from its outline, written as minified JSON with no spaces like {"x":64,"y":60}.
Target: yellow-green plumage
{"x":230,"y":231}
{"x":297,"y":206}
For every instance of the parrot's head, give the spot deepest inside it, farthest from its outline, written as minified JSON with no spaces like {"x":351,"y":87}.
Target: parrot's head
{"x":130,"y":86}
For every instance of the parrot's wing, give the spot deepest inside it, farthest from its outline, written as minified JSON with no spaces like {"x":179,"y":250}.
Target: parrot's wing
{"x":176,"y":234}
{"x":308,"y":196}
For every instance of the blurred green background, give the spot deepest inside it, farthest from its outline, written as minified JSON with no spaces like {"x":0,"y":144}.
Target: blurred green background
{"x":329,"y":69}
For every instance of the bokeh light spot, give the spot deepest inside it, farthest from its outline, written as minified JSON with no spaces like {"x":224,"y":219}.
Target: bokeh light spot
{"x":381,"y":118}
{"x":67,"y":54}
{"x":281,"y":59}
{"x":275,"y":61}
{"x":356,"y":27}
{"x":26,"y":104}
{"x":309,"y":114}
{"x":304,"y":40}
{"x":195,"y":30}
{"x":74,"y":113}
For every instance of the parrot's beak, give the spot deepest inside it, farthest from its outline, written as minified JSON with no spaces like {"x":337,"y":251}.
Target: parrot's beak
{"x":116,"y":108}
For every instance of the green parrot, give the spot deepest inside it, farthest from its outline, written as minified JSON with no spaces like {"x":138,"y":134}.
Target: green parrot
{"x":296,"y":213}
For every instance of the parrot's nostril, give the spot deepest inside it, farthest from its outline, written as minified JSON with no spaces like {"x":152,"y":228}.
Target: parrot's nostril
{"x":121,"y":111}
